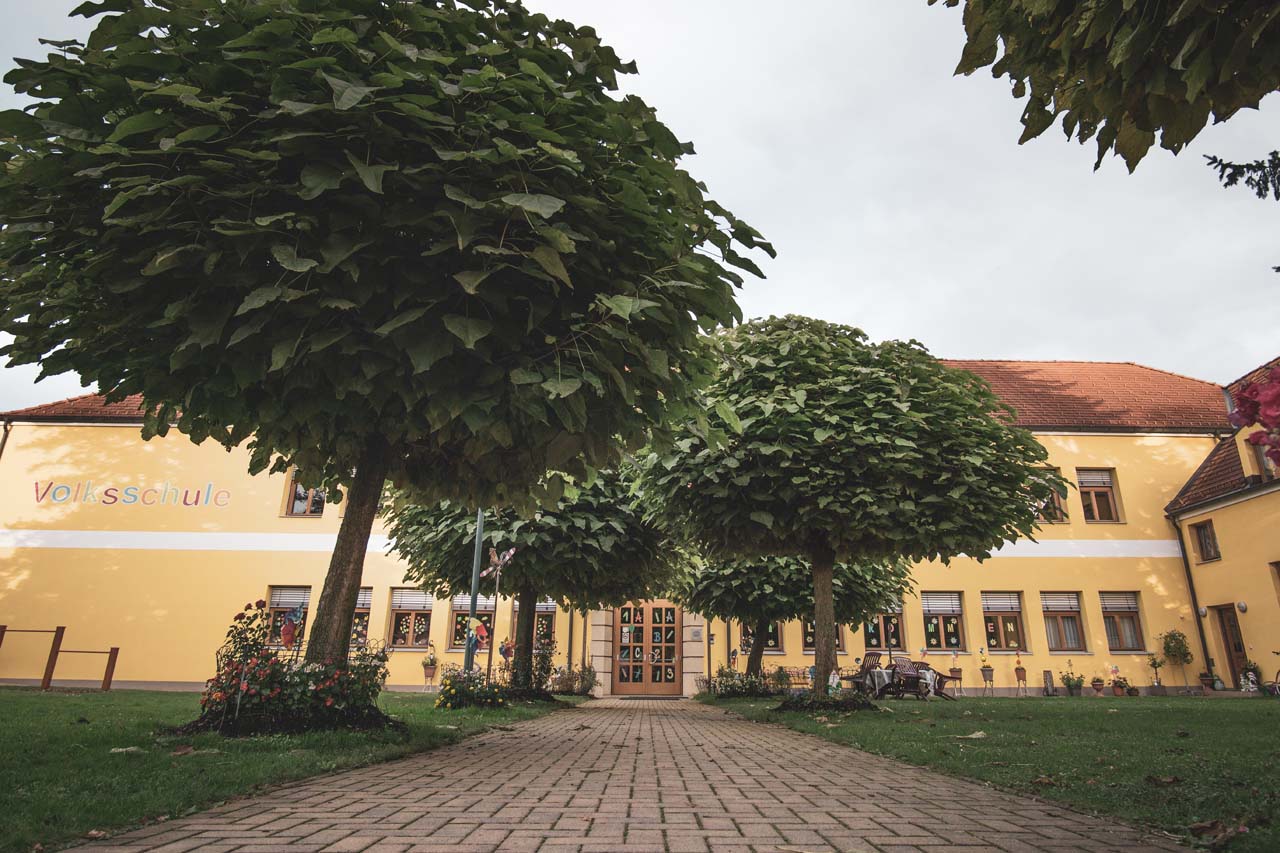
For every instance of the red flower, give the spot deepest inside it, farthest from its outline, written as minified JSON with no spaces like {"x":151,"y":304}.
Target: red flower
{"x":328,"y":702}
{"x":248,"y":607}
{"x":260,"y":603}
{"x":239,"y":617}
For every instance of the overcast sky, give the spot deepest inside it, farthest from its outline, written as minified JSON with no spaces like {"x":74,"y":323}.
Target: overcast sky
{"x":898,"y":198}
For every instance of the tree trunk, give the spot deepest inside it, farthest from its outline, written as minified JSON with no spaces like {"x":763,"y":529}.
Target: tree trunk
{"x":522,"y":661}
{"x":330,"y":630}
{"x":756,"y":657}
{"x":824,"y":617}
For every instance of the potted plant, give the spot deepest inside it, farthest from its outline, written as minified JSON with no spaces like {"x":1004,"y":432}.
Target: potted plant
{"x":1119,"y":685}
{"x":1133,"y":691}
{"x":429,"y":664}
{"x":1071,"y":680}
{"x":1250,"y":676}
{"x":1019,"y":671}
{"x":955,"y":672}
{"x":1097,"y":684}
{"x":1206,"y":681}
{"x":988,"y":671}
{"x":1155,"y":662}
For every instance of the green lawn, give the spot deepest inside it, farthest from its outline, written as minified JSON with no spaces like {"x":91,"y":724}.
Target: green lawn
{"x":59,"y":778}
{"x":1163,"y":762}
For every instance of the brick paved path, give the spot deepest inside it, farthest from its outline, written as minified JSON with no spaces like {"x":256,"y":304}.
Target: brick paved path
{"x":636,"y":776}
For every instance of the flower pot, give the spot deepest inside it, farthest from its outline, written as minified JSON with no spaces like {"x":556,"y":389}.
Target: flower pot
{"x":1117,"y":690}
{"x":1133,"y":691}
{"x":1020,"y":673}
{"x":1097,"y":684}
{"x":956,"y":672}
{"x":1206,"y":681}
{"x":1073,"y":690}
{"x":988,"y":673}
{"x":429,"y":672}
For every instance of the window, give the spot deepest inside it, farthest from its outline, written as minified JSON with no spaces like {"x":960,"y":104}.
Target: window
{"x":1002,"y":616}
{"x":1270,"y":470}
{"x":1062,"y":621}
{"x":301,"y":502}
{"x":884,"y":630}
{"x":461,"y":612}
{"x":410,"y":618}
{"x":809,"y":644}
{"x":1098,"y":494}
{"x":288,"y":604}
{"x":772,"y":638}
{"x":544,"y":620}
{"x":1206,"y":542}
{"x":360,"y":620}
{"x":1052,"y":511}
{"x":1120,"y":617}
{"x":943,"y":621}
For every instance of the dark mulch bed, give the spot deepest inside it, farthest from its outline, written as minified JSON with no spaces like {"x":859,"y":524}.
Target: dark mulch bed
{"x":248,"y":725}
{"x":807,"y":703}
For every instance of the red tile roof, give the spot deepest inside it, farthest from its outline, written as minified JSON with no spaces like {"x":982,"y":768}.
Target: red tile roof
{"x":88,"y":408}
{"x":1047,"y":395}
{"x":1256,"y":375}
{"x":1102,"y":396}
{"x":1219,"y":475}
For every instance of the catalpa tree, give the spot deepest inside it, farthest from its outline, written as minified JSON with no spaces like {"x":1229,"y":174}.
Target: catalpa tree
{"x":373,"y":239}
{"x":761,"y":591}
{"x":593,"y":548}
{"x":1121,"y":72}
{"x":825,"y":446}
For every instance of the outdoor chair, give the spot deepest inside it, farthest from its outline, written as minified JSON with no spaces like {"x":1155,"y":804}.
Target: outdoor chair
{"x":940,"y":681}
{"x":858,"y":677}
{"x":907,"y":680}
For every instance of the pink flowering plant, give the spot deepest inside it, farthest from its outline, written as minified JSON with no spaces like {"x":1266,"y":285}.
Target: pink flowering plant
{"x":260,"y":686}
{"x":1258,"y":404}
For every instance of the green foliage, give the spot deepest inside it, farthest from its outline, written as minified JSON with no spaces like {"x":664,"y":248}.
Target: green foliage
{"x":593,"y":548}
{"x":877,"y":451}
{"x":1122,"y":71}
{"x":259,"y":688}
{"x":312,"y":223}
{"x":728,"y":684}
{"x":461,"y":688}
{"x":781,"y":589}
{"x":1175,"y":647}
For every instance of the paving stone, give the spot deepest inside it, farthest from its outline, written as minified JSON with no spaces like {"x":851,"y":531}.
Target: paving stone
{"x":638,"y":776}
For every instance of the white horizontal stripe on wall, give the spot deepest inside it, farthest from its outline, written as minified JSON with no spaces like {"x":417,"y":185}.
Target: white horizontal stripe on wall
{"x":163,"y":540}
{"x":1091,"y":548}
{"x":160,"y":540}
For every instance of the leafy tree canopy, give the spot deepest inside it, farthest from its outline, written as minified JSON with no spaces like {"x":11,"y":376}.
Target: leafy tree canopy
{"x":874,"y":451}
{"x":1123,"y":71}
{"x":772,"y":589}
{"x":320,"y":225}
{"x":593,"y":548}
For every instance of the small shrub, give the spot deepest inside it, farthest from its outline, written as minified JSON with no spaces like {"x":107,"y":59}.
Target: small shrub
{"x":463,"y":689}
{"x":729,"y":684}
{"x":587,"y":680}
{"x":1175,"y":647}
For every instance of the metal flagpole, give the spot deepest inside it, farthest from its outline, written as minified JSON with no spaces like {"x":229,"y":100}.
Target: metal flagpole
{"x":470,"y":658}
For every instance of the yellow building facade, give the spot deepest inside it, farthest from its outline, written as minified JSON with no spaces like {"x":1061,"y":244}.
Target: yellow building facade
{"x":154,"y":546}
{"x":1228,"y":516}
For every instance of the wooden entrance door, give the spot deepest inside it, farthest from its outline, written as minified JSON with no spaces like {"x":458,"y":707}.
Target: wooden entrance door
{"x":1229,"y":622}
{"x":646,"y":649}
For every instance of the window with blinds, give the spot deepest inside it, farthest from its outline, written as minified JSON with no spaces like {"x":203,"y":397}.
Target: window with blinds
{"x":1098,"y":494}
{"x":288,"y":604}
{"x":1002,"y":618}
{"x":1062,"y":623}
{"x":1122,"y":622}
{"x":485,"y":607}
{"x":940,"y":602}
{"x":943,"y":621}
{"x":360,"y":618}
{"x":544,"y":606}
{"x":411,"y":599}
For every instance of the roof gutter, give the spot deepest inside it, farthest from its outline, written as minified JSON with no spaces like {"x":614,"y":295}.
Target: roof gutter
{"x":1195,"y":600}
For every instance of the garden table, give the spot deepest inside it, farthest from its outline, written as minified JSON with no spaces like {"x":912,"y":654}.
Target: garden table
{"x":879,"y":679}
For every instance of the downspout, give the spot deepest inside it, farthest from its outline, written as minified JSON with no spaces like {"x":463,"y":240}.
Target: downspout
{"x":1195,"y":600}
{"x":568,"y":657}
{"x":4,"y":439}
